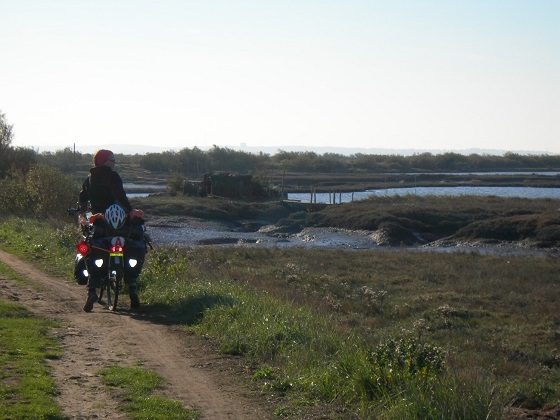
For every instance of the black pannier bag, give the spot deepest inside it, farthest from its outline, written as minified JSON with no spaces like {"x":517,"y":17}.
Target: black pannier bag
{"x":134,"y":249}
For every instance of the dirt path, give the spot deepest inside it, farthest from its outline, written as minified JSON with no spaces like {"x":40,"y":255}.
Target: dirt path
{"x":193,"y":372}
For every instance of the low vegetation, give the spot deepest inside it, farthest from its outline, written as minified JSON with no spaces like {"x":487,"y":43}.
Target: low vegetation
{"x":356,"y":334}
{"x":315,"y":362}
{"x":492,"y":317}
{"x":135,"y":386}
{"x":217,"y":208}
{"x":361,"y":181}
{"x":26,"y":387}
{"x":401,"y":220}
{"x":415,"y":219}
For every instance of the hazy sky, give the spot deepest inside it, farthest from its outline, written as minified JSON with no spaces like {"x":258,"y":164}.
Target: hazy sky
{"x":421,"y":74}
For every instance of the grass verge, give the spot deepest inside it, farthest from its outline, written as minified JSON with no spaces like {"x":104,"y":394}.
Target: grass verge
{"x":27,"y":390}
{"x":304,"y":353}
{"x":136,"y":387}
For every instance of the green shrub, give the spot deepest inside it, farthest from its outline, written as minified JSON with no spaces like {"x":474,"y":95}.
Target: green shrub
{"x":51,"y":191}
{"x":44,"y":192}
{"x":14,"y":198}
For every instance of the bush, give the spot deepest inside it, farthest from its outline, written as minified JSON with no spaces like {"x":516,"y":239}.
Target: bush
{"x":44,"y":191}
{"x":14,"y":199}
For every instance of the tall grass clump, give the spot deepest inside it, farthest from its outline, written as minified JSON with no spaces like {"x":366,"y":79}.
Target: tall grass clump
{"x":449,"y":397}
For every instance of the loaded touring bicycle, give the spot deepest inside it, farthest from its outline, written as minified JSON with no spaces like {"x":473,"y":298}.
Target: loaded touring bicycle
{"x":111,"y":254}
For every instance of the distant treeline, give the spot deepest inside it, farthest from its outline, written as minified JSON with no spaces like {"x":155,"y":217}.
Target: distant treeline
{"x":17,"y":161}
{"x":194,"y":162}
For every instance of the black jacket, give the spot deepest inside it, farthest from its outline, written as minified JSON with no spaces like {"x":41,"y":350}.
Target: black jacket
{"x":102,"y":188}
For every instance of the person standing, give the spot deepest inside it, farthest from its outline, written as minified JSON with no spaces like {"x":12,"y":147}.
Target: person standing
{"x":102,"y":188}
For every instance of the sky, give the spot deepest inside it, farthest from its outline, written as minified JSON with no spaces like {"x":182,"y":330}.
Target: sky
{"x":426,"y":75}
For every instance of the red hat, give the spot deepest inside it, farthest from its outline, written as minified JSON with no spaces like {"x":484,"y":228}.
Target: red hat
{"x":101,"y":157}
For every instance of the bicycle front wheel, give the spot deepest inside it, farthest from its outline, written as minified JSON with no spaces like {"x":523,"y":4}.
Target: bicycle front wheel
{"x":113,"y":288}
{"x":100,"y":292}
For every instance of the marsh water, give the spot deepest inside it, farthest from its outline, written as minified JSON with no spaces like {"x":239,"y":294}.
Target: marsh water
{"x":522,"y":192}
{"x":188,"y":231}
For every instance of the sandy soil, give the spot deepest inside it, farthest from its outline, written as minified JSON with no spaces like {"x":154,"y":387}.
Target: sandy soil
{"x":194,"y":373}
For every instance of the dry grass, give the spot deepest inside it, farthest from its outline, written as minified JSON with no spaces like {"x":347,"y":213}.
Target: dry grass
{"x":497,"y":317}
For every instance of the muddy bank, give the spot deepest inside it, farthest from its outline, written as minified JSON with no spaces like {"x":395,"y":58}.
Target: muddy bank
{"x":407,"y":221}
{"x":191,"y":232}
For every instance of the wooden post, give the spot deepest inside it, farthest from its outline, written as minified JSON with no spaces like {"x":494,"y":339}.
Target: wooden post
{"x":282,"y":189}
